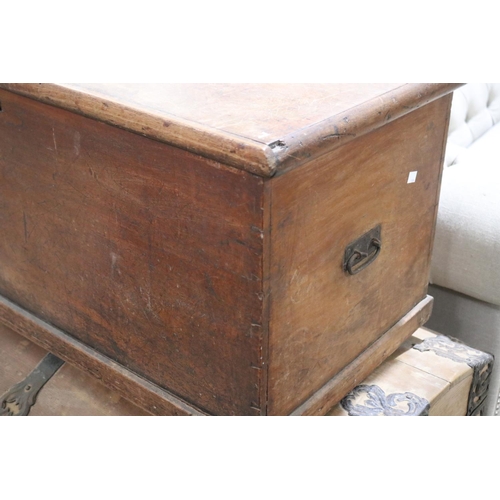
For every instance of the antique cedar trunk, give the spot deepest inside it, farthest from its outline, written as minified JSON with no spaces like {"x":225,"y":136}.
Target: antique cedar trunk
{"x":220,"y":249}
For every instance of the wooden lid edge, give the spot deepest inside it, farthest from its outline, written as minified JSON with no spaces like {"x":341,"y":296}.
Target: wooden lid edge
{"x":243,"y":153}
{"x":323,"y":137}
{"x":230,"y":149}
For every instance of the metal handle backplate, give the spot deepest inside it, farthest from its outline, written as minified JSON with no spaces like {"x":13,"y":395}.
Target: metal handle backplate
{"x":362,"y":252}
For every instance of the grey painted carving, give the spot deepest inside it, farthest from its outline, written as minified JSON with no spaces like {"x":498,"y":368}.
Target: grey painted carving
{"x":371,"y":400}
{"x":480,"y":362}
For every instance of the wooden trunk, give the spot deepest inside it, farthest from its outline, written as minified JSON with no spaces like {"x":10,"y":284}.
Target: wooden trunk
{"x":187,"y":244}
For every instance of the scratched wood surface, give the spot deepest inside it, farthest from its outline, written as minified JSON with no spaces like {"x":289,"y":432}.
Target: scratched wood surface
{"x":262,"y":128}
{"x":322,"y":318}
{"x":139,"y":390}
{"x":366,"y":362}
{"x":69,"y":392}
{"x":263,"y":113}
{"x":146,"y":253}
{"x":222,"y":290}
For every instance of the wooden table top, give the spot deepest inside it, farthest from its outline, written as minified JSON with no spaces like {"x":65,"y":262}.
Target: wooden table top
{"x":262,"y":128}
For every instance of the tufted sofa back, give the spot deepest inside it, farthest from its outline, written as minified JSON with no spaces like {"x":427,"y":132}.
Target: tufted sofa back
{"x":475,"y":110}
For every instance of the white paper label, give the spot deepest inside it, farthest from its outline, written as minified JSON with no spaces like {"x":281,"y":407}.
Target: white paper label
{"x":412,"y":177}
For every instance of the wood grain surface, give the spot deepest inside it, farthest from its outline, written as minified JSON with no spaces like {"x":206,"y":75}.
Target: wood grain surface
{"x":126,"y":383}
{"x":368,"y":360}
{"x":199,"y":288}
{"x":69,"y":392}
{"x":322,"y":318}
{"x":262,"y":128}
{"x":146,"y":253}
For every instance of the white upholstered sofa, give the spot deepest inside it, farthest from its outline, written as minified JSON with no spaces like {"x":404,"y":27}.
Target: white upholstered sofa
{"x":465,"y":270}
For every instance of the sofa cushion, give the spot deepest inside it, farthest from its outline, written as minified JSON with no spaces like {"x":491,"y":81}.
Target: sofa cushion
{"x":466,"y":256}
{"x":475,"y":110}
{"x":484,"y":151}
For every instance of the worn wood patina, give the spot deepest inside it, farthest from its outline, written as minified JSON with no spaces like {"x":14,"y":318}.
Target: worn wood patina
{"x":185,"y":243}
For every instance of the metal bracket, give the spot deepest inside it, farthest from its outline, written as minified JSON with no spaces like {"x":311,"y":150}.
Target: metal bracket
{"x":480,"y":362}
{"x":18,"y":400}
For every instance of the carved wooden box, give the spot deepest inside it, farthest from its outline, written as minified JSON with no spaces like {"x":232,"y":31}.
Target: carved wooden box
{"x":220,"y":249}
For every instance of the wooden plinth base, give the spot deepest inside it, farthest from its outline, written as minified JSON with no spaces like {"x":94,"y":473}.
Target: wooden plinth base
{"x":158,"y":401}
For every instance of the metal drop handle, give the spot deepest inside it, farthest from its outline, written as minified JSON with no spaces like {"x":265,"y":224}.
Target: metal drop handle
{"x":362,"y":252}
{"x":367,"y":258}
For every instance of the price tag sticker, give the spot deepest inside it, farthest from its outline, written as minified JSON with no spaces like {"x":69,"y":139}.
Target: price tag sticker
{"x":412,"y":177}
